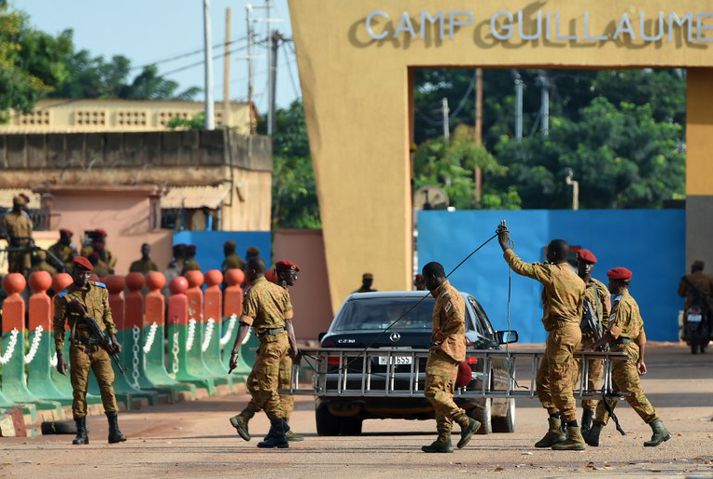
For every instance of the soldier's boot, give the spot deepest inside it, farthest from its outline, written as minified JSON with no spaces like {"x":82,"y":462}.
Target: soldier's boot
{"x":591,"y":436}
{"x":587,"y":417}
{"x":660,"y":433}
{"x":240,"y":423}
{"x":468,"y":427}
{"x":81,"y":437}
{"x":440,"y":445}
{"x":574,"y":441}
{"x":276,"y":436}
{"x":115,"y":435}
{"x":291,"y":435}
{"x":554,"y":434}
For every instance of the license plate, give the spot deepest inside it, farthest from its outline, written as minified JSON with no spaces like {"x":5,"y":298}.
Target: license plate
{"x":397,"y":360}
{"x":695,"y":318}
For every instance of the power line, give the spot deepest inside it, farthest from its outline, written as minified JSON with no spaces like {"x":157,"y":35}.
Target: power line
{"x":289,"y":71}
{"x":199,"y":63}
{"x":184,"y":55}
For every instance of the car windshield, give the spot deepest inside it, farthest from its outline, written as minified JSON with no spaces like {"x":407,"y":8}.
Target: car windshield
{"x":376,"y":314}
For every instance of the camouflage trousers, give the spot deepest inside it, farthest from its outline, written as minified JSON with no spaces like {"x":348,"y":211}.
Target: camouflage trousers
{"x":595,"y":373}
{"x":286,"y":400}
{"x":81,"y":359}
{"x":264,"y":379}
{"x":558,"y":368}
{"x":441,"y":373}
{"x":625,"y":379}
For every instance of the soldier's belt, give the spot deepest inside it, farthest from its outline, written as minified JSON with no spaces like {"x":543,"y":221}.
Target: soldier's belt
{"x":619,"y":341}
{"x":269,"y":332}
{"x":86,"y":341}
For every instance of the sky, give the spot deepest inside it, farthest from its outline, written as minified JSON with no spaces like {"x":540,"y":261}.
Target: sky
{"x":146,"y":31}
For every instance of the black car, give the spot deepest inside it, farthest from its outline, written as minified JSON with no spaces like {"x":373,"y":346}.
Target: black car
{"x":361,"y":321}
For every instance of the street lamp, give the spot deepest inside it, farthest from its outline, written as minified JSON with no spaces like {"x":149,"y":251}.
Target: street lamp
{"x":575,"y":188}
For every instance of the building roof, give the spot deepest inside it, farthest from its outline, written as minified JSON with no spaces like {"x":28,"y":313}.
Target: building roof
{"x":195,"y":196}
{"x":7,"y":194}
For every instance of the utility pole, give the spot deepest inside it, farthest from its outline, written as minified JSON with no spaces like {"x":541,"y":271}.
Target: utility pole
{"x":208,"y":42}
{"x":545,"y":103}
{"x":519,"y":87}
{"x":478,"y":130}
{"x":226,"y":71}
{"x":275,"y":40}
{"x":251,"y":39}
{"x":268,"y":46}
{"x":446,"y":128}
{"x":575,"y":188}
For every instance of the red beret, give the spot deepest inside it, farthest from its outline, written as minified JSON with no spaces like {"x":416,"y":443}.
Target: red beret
{"x":271,"y":275}
{"x":83,"y":262}
{"x":286,"y":265}
{"x":620,"y":273}
{"x":65,"y":231}
{"x":586,"y":256}
{"x":100,"y":232}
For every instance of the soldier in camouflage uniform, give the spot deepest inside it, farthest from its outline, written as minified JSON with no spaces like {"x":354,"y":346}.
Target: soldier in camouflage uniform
{"x":232,"y":260}
{"x":63,"y":249}
{"x":268,"y":310}
{"x":597,"y":294}
{"x":82,"y":299}
{"x":41,"y":264}
{"x":562,"y":298}
{"x":144,"y":265}
{"x":446,"y":353}
{"x":625,"y":333}
{"x":16,"y":227}
{"x":190,"y":263}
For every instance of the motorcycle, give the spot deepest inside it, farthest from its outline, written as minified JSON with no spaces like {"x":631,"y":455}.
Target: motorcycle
{"x":698,"y":329}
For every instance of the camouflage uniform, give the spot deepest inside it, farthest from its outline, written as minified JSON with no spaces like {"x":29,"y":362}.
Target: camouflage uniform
{"x":42,"y":264}
{"x":143,"y":266}
{"x":267,"y":307}
{"x":83,"y":353}
{"x":626,"y":324}
{"x":562,"y":312}
{"x":598,"y":295}
{"x":446,"y":353}
{"x":190,"y":264}
{"x":64,"y":253}
{"x":101,"y":269}
{"x":19,"y":231}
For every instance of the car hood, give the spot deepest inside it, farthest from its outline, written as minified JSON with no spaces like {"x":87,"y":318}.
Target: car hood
{"x":378,"y":339}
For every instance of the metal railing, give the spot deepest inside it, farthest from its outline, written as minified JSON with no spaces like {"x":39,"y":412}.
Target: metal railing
{"x":400,"y":373}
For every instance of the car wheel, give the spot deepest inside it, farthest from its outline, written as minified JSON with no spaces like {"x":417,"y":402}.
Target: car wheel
{"x":327,"y":424}
{"x":351,"y":426}
{"x":505,"y":423}
{"x":483,"y":414}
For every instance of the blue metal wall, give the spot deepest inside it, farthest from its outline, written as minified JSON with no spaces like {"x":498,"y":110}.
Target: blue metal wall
{"x":209,"y":244}
{"x":649,"y":242}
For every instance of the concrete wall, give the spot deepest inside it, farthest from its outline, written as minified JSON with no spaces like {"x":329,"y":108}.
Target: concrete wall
{"x":123,"y":215}
{"x":649,"y":242}
{"x":310,"y":296}
{"x":358,"y":106}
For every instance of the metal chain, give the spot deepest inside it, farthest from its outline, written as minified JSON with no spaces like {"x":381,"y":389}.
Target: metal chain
{"x":174,"y":352}
{"x":191,"y":334}
{"x":136,"y":336}
{"x":10,"y":347}
{"x":150,"y":336}
{"x":35,"y":345}
{"x":208,"y":334}
{"x":225,"y":339}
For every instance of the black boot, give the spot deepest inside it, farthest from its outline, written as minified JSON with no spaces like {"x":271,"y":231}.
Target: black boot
{"x":468,"y":427}
{"x":592,"y":435}
{"x":81,"y":437}
{"x":115,"y":434}
{"x":440,"y":445}
{"x":276,"y":436}
{"x":587,"y":418}
{"x":660,"y":433}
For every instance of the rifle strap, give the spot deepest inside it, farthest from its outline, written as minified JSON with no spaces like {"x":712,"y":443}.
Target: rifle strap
{"x":612,"y":414}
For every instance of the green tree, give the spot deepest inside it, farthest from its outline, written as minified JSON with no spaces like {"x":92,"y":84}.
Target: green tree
{"x":294,"y":191}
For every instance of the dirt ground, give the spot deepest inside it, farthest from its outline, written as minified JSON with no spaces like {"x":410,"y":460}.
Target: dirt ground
{"x":195,"y":440}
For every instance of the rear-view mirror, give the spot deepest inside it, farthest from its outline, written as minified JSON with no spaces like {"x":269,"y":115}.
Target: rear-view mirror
{"x":507,"y":337}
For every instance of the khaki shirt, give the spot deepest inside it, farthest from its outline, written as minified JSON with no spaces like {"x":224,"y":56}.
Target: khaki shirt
{"x":449,"y":322}
{"x":232,"y":261}
{"x":190,"y":265}
{"x":44,"y":266}
{"x":95,"y":299}
{"x":598,"y":294}
{"x":700,"y":280}
{"x":266,"y":306}
{"x":143,"y":266}
{"x":625,"y":320}
{"x":63,"y":253}
{"x":18,"y":225}
{"x":563,"y":291}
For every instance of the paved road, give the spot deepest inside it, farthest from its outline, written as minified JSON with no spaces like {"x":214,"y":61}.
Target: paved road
{"x":195,"y":440}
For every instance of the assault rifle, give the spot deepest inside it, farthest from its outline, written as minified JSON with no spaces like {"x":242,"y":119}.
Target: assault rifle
{"x":104,"y":341}
{"x":590,"y":322}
